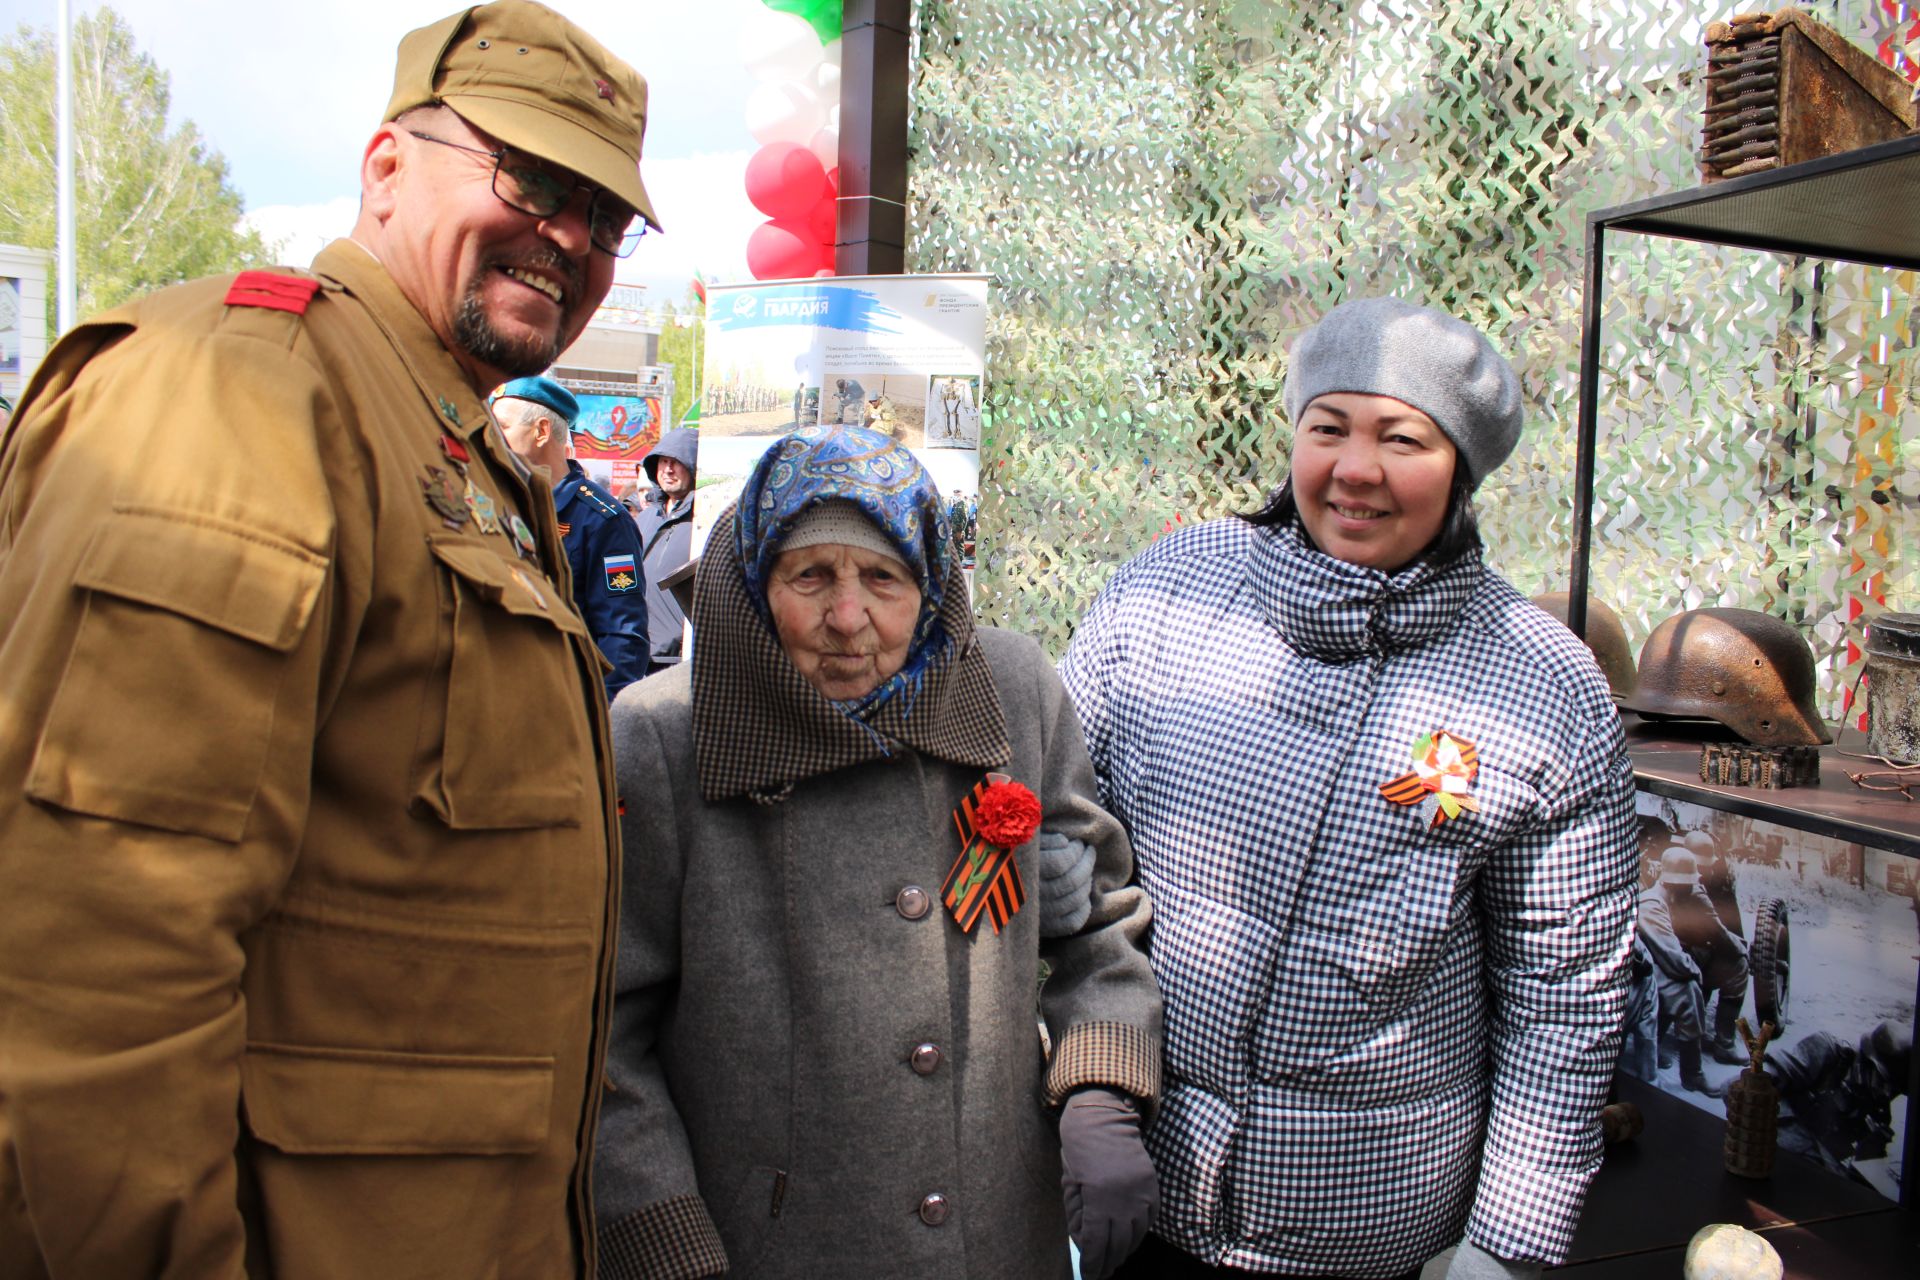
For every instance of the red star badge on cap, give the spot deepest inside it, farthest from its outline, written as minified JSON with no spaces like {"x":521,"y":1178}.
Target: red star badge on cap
{"x":606,"y":90}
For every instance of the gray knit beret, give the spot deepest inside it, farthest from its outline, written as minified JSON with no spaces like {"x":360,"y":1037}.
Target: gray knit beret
{"x":1441,"y":366}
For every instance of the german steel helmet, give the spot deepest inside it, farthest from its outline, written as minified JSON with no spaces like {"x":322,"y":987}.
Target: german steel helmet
{"x":1747,"y":670}
{"x":1605,"y":636}
{"x":1679,"y":866}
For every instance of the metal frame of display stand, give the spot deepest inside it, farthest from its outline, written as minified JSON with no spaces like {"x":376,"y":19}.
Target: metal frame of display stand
{"x":1861,"y":206}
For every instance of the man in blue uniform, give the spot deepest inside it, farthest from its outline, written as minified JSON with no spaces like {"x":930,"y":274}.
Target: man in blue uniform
{"x":603,"y":547}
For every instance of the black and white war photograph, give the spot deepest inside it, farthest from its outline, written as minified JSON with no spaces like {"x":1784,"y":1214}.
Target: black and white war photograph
{"x":1814,"y":937}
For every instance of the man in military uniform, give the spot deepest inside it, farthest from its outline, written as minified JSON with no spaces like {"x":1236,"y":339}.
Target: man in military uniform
{"x":1692,"y":951}
{"x":304,"y":966}
{"x":603,"y":547}
{"x":1839,"y":1097}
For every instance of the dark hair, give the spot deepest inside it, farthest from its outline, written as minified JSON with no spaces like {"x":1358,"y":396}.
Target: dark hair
{"x":1459,"y":532}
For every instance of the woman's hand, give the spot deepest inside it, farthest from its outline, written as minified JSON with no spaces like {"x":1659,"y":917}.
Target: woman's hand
{"x":1110,"y":1188}
{"x":1066,"y":884}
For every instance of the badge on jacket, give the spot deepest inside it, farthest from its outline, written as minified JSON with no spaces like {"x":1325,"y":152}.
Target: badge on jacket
{"x":994,"y":819}
{"x":1444,"y":766}
{"x":620,"y":573}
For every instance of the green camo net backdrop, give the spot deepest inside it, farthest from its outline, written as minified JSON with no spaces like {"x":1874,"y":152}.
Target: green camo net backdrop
{"x":1166,"y":193}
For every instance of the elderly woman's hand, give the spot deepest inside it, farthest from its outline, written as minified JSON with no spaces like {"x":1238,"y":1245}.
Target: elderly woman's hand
{"x":1066,"y":884}
{"x":1110,"y":1187}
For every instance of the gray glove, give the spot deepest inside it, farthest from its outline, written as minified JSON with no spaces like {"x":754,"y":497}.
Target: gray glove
{"x":1066,"y":884}
{"x":1109,"y":1185}
{"x":1468,"y":1261}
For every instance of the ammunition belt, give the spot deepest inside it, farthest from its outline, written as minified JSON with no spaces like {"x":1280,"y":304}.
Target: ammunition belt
{"x":1735,"y":764}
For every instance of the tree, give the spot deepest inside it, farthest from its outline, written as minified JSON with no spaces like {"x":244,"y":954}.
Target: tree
{"x":152,"y":206}
{"x":682,"y":345}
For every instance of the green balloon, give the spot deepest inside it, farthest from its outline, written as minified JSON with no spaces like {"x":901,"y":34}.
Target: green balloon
{"x":824,"y":16}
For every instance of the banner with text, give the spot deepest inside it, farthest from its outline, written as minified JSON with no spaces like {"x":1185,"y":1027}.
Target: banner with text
{"x":902,"y":354}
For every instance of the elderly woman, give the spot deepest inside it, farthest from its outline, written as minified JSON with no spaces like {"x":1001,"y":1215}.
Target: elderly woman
{"x":825,"y":1060}
{"x":1383,"y":808}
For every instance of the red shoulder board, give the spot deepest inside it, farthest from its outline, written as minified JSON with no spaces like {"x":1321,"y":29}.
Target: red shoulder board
{"x":274,"y":292}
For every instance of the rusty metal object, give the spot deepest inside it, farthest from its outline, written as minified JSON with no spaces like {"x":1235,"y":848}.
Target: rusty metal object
{"x":1621,"y":1122}
{"x":1606,"y":637}
{"x":1783,"y":88}
{"x":1741,"y":668}
{"x":1753,"y":1110}
{"x":1893,"y":687}
{"x":1735,"y":764}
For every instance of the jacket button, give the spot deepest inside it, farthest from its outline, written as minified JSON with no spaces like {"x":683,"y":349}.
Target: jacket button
{"x":934,"y":1209}
{"x":913,"y":902}
{"x":926,"y":1059}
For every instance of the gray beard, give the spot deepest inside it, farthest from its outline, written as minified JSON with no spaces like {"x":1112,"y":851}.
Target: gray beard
{"x":474,"y":333}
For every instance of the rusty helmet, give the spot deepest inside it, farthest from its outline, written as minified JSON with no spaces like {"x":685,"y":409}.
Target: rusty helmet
{"x":1748,"y":670}
{"x":1605,"y":637}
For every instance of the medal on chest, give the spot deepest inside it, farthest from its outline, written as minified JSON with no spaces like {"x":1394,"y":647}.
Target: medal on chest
{"x":996,"y":817}
{"x":444,"y":494}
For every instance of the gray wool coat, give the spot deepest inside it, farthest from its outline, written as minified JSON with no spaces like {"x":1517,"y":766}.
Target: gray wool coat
{"x":798,"y":1063}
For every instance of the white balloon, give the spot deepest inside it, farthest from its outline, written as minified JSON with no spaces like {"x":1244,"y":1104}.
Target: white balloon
{"x":784,"y":113}
{"x":825,"y":143}
{"x":778,"y":46}
{"x":833,"y":117}
{"x":826,"y":77}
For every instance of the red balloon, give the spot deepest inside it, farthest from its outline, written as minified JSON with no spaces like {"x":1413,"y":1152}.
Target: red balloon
{"x":785,"y":180}
{"x":824,"y":220}
{"x":781,"y":250}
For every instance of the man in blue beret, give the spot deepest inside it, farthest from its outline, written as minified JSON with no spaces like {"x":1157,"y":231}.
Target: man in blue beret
{"x":603,"y":547}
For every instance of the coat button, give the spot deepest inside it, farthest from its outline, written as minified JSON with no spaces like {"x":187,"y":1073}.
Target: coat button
{"x":934,"y":1209}
{"x":913,"y":902}
{"x":926,"y":1059}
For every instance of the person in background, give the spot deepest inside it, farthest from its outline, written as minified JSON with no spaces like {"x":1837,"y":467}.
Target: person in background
{"x":1384,"y":811}
{"x":1839,"y":1097}
{"x":665,"y":521}
{"x":6,"y":412}
{"x":306,"y":805}
{"x":603,"y":548}
{"x":1695,"y":956}
{"x":825,"y":1060}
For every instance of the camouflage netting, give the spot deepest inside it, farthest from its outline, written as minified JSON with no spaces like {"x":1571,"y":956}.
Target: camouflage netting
{"x":1167,"y":192}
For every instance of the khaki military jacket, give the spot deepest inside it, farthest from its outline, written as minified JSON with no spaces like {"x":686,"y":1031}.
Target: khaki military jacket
{"x":305,"y":809}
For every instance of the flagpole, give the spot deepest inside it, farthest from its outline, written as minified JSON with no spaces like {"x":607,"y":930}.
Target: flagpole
{"x":699,"y":328}
{"x":63,"y":199}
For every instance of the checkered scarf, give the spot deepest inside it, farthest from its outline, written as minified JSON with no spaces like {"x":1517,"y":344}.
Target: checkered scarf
{"x":759,"y":727}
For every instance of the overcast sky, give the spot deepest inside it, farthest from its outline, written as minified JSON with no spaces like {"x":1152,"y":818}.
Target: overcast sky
{"x":289,"y":92}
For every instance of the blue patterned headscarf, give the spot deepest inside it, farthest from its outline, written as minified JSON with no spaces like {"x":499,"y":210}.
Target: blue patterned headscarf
{"x":882,"y":477}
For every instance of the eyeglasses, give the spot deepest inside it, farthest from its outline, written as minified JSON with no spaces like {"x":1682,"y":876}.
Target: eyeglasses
{"x":521,"y":184}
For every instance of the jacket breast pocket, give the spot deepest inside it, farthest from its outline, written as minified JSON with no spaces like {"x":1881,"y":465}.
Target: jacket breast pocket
{"x":515,"y":750}
{"x":187,"y":622}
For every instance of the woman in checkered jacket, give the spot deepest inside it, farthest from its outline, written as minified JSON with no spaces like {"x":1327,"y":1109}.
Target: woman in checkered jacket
{"x":1383,"y":808}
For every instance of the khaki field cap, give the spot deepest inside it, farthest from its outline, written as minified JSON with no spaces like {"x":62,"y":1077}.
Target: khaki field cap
{"x":535,"y":81}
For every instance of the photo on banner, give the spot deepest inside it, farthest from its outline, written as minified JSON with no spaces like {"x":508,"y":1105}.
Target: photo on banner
{"x":1816,"y":934}
{"x":905,"y":355}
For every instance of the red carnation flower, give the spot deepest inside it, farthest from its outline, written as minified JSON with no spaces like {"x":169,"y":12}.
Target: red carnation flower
{"x":1008,"y":814}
